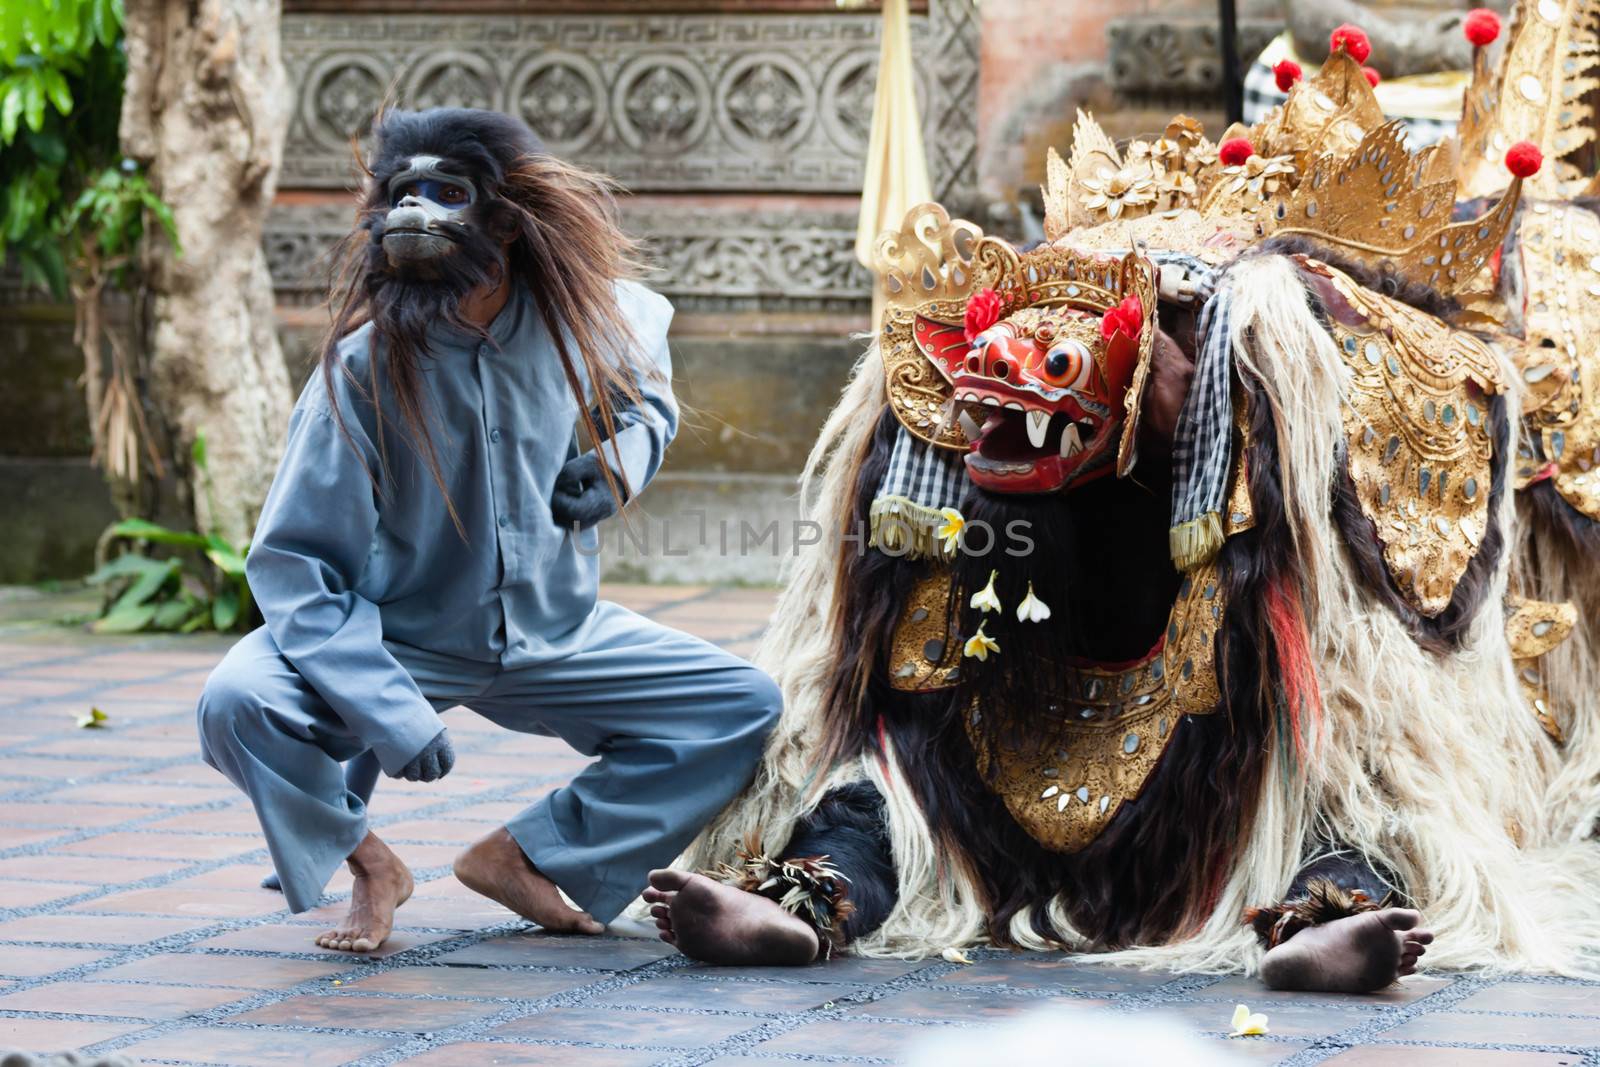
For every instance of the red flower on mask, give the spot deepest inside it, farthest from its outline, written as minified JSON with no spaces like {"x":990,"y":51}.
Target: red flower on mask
{"x":983,"y":311}
{"x":1481,"y":26}
{"x":1524,"y":159}
{"x":1286,"y":73}
{"x":1353,"y":39}
{"x":1127,"y":317}
{"x":1234,"y":151}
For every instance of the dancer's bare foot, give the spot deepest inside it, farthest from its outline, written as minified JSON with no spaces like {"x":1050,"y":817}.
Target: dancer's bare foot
{"x":717,"y":923}
{"x":497,"y":868}
{"x":383,"y":883}
{"x":1358,"y":954}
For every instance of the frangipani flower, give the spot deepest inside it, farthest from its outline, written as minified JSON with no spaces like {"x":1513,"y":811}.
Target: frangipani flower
{"x":986,"y":599}
{"x":1113,"y":190}
{"x":1032,"y":609}
{"x":1261,"y":175}
{"x":950,"y":532}
{"x":1248,"y":1024}
{"x":979,"y":645}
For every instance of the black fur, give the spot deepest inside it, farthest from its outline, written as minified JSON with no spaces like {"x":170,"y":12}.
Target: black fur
{"x":850,"y":829}
{"x":1578,"y":533}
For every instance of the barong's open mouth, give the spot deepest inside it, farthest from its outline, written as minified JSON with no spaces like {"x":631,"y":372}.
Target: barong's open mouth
{"x":1021,"y":445}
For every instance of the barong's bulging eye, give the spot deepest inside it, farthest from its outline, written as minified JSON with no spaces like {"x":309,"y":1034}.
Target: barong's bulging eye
{"x":1067,"y":363}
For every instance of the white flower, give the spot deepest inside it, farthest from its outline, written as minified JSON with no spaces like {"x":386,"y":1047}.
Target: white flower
{"x":1246,"y":1024}
{"x":1032,"y":609}
{"x":979,"y":645}
{"x":986,"y":599}
{"x":950,"y":531}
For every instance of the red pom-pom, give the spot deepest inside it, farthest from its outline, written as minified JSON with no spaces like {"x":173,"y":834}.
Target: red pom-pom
{"x":1481,"y":26}
{"x":1372,"y":76}
{"x":1234,"y":151}
{"x":1127,"y":317}
{"x":1287,"y":72}
{"x":1524,"y":159}
{"x":983,"y":311}
{"x":1353,"y":39}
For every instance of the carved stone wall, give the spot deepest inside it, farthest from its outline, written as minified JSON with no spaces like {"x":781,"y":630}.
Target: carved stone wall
{"x":704,"y":259}
{"x":1178,"y":56}
{"x":707,"y":102}
{"x":733,"y":102}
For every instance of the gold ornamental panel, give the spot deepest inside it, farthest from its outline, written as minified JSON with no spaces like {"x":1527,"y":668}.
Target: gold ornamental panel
{"x":1113,"y":727}
{"x":1560,"y":364}
{"x":1419,"y":441}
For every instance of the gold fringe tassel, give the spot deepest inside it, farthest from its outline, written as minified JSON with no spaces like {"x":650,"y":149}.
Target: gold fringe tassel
{"x":1196,"y":541}
{"x":902,"y":527}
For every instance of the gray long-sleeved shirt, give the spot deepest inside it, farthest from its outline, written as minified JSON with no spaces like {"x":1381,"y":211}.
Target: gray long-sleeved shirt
{"x":340,"y":565}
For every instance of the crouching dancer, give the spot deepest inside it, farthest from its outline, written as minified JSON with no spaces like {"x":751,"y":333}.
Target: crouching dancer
{"x":427,"y":543}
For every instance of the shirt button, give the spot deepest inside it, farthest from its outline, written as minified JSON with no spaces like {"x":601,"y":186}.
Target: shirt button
{"x":505,"y":520}
{"x":483,"y":350}
{"x":494,"y":435}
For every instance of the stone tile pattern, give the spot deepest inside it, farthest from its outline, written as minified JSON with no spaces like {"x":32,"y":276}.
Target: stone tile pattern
{"x":131,"y":921}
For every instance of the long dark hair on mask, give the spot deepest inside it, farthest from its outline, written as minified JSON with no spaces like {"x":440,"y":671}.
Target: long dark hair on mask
{"x":565,"y":246}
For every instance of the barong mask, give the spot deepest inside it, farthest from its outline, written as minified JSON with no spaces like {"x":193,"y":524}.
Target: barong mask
{"x":1032,"y":362}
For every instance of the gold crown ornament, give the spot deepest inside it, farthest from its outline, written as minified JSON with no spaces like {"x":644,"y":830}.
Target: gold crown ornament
{"x":1324,"y":165}
{"x":1541,"y":91}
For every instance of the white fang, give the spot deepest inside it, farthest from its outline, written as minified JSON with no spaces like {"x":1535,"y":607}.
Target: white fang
{"x":1038,"y":423}
{"x":1071,"y":443}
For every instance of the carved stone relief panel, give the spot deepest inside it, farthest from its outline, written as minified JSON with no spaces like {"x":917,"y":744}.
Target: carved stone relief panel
{"x":1178,"y":55}
{"x":666,"y":103}
{"x":703,"y":258}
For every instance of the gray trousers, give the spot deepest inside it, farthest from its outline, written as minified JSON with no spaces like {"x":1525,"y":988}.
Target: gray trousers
{"x":678,"y":724}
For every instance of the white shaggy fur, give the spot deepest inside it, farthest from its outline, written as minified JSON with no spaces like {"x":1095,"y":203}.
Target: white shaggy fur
{"x":1430,"y":764}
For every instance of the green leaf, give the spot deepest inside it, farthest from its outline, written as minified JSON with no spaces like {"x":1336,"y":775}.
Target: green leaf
{"x":126,"y":621}
{"x":55,"y":86}
{"x":196,"y":622}
{"x":225,"y":609}
{"x":229,"y":560}
{"x":144,"y":530}
{"x":131,"y":565}
{"x":198,"y":451}
{"x":146,"y":585}
{"x":171,"y":614}
{"x":10,"y":109}
{"x":33,"y":104}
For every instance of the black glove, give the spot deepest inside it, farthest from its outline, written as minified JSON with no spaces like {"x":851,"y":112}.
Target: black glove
{"x":433,"y":762}
{"x":581,"y":496}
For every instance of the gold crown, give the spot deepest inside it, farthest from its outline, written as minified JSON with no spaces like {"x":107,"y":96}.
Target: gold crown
{"x":1325,"y":166}
{"x":1540,"y":92}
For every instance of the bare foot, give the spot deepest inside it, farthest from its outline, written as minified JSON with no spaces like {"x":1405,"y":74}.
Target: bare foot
{"x":716,"y":923}
{"x":1358,"y":954}
{"x":497,"y":868}
{"x":383,"y":883}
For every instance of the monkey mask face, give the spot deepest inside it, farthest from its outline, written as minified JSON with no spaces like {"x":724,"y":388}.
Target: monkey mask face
{"x":427,"y":212}
{"x":439,"y":226}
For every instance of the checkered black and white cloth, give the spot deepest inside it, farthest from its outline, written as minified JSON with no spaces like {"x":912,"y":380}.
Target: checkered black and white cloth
{"x":1204,"y":438}
{"x":920,"y":481}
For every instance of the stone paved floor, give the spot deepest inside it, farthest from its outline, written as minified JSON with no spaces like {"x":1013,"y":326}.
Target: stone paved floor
{"x":130,"y":919}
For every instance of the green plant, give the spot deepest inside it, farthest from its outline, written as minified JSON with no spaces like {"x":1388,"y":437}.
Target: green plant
{"x":201,"y":587}
{"x":61,"y":71}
